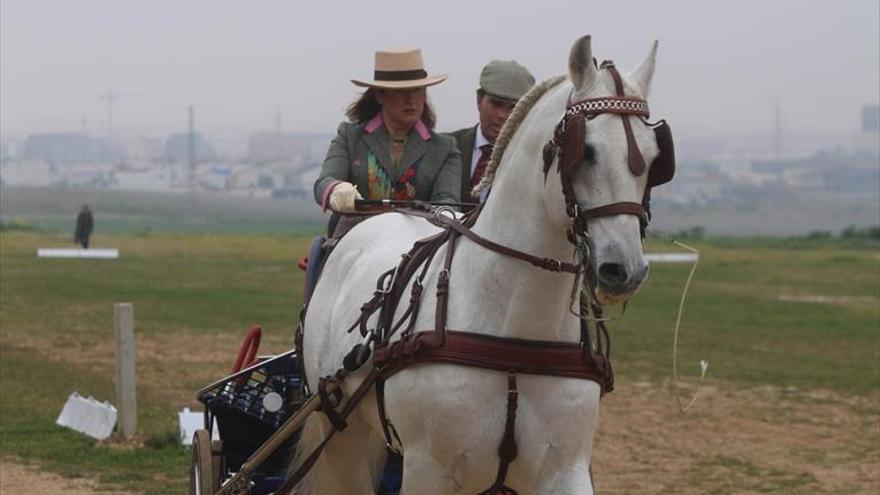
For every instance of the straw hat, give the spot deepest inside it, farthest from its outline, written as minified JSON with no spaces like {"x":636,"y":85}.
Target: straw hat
{"x":400,"y":68}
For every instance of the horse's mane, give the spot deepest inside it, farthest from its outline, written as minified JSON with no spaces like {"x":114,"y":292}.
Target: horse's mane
{"x":516,"y":118}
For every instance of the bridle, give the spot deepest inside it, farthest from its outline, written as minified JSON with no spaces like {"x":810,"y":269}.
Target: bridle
{"x":568,"y":142}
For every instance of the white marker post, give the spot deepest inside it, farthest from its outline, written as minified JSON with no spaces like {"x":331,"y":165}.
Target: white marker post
{"x":126,"y":379}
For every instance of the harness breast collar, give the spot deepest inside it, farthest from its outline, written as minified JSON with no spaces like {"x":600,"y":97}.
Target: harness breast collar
{"x":588,"y":359}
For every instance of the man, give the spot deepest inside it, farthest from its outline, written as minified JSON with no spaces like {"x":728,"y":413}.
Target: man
{"x":502,"y":84}
{"x":84,"y":226}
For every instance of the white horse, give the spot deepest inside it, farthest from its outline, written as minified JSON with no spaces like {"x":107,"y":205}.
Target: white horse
{"x":451,"y":418}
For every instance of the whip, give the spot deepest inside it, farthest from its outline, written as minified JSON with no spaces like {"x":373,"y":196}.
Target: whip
{"x":704,"y":364}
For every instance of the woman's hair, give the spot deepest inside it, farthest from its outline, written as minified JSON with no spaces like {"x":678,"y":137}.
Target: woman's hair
{"x":367,"y":106}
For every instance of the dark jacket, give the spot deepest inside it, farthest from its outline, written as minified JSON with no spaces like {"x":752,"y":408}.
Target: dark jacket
{"x":84,"y":226}
{"x":465,"y":139}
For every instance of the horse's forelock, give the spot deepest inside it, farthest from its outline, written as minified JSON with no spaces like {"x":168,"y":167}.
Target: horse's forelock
{"x":522,"y":108}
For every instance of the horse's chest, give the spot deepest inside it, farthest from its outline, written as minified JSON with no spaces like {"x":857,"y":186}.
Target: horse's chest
{"x":456,"y":409}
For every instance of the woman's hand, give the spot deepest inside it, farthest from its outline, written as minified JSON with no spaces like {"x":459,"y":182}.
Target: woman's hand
{"x":343,"y":196}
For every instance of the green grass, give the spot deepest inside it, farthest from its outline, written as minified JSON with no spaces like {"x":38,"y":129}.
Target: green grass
{"x":181,"y":285}
{"x":734,"y":317}
{"x":202,"y":291}
{"x":32,"y":391}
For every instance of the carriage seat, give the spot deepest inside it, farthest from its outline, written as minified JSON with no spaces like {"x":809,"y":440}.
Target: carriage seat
{"x":321,"y":246}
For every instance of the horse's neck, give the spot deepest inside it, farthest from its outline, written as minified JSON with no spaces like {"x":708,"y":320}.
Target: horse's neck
{"x":514,"y":298}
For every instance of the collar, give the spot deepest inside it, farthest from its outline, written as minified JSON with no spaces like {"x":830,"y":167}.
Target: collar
{"x":378,"y":121}
{"x":480,"y":139}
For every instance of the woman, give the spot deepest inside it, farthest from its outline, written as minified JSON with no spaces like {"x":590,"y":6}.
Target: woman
{"x":388,"y":150}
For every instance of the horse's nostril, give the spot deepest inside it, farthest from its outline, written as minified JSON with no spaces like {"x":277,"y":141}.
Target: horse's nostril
{"x":613,"y":274}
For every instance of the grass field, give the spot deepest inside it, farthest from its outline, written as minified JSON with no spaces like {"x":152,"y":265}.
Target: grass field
{"x":790,"y":329}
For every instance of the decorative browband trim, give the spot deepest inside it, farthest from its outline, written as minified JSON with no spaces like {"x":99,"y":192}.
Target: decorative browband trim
{"x":622,"y":105}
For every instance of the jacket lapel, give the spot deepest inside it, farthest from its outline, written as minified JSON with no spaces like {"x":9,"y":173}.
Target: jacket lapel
{"x":416,"y":147}
{"x":466,"y":147}
{"x":377,"y":142}
{"x":467,"y":150}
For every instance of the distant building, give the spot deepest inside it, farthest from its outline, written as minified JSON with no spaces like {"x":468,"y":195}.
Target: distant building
{"x":269,"y":146}
{"x":177,"y":148}
{"x":27,"y":173}
{"x":870,"y":118}
{"x":149,"y":149}
{"x":69,"y":149}
{"x":868,"y":141}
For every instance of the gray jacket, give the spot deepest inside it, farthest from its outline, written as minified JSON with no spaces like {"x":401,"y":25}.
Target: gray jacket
{"x":437,"y":162}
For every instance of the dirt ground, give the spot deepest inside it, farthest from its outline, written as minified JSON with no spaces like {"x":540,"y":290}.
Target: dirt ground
{"x":17,"y":478}
{"x":732,"y":441}
{"x":735,"y":441}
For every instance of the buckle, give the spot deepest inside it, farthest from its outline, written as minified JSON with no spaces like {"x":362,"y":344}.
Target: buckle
{"x":552,"y":264}
{"x":440,"y":210}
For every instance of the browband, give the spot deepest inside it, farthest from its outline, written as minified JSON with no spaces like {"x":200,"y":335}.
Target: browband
{"x":621,"y":105}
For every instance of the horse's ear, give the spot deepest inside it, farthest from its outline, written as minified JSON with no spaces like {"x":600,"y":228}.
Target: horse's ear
{"x":642,"y":74}
{"x":581,"y":67}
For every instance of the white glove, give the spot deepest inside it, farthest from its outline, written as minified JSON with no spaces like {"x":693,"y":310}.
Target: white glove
{"x":343,"y":196}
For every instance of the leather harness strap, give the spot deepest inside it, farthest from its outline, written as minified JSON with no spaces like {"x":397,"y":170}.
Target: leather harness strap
{"x":353,"y":401}
{"x":531,"y":357}
{"x":507,"y":450}
{"x":545,"y":263}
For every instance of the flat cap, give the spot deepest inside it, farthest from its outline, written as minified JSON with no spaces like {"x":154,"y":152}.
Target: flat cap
{"x":506,"y":79}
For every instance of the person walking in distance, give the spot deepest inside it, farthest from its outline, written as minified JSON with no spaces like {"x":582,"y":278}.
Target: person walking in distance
{"x":85,"y":224}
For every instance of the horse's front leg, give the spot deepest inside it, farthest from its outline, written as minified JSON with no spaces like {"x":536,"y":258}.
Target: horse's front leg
{"x":422,"y":475}
{"x":450,"y":420}
{"x":571,"y":480}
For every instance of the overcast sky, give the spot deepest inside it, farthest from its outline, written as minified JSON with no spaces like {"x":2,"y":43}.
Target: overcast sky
{"x":721,"y":66}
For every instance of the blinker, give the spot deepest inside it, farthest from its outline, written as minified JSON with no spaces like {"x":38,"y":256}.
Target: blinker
{"x":573,"y":145}
{"x":663,"y":167}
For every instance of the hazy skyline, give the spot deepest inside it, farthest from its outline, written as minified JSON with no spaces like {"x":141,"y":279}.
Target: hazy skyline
{"x":721,"y":65}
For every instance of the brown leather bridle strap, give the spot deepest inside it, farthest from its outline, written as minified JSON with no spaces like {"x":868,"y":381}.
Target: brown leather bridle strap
{"x":635,"y":160}
{"x":621,"y":208}
{"x":550,"y":264}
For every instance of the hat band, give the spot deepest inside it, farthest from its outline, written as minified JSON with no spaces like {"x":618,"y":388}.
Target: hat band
{"x":399,"y":75}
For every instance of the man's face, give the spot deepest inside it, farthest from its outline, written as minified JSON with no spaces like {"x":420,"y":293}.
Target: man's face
{"x":493,"y":113}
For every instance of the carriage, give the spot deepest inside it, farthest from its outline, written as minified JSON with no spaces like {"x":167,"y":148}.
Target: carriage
{"x":514,"y":345}
{"x":246,"y":408}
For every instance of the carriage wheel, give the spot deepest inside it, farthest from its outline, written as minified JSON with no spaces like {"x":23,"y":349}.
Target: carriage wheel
{"x":218,"y":463}
{"x":201,"y":469}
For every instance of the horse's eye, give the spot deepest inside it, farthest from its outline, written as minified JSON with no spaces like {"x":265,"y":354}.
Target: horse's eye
{"x":589,"y":154}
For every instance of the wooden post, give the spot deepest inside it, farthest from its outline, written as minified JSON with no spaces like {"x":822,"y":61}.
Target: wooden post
{"x":126,"y":379}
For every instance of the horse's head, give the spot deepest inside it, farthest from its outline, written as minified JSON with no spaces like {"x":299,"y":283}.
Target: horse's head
{"x":608,"y":160}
